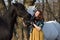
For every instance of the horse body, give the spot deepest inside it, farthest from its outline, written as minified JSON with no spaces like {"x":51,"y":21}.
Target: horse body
{"x":51,"y":30}
{"x":57,"y":26}
{"x":4,"y":30}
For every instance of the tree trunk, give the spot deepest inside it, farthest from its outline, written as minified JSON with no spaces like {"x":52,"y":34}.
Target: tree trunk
{"x":28,"y":3}
{"x":9,"y":3}
{"x":2,"y":5}
{"x":50,"y":12}
{"x":59,"y":11}
{"x":2,"y":8}
{"x":47,"y":11}
{"x":42,"y":5}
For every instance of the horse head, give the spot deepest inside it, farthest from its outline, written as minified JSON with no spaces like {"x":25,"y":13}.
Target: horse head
{"x":21,"y":10}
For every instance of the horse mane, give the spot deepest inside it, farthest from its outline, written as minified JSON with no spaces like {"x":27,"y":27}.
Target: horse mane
{"x":19,"y":5}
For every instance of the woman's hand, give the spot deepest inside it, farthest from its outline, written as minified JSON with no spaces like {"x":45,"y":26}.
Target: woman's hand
{"x":37,"y":27}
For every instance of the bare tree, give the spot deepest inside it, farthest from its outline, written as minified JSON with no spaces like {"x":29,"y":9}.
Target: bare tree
{"x":2,"y":5}
{"x":50,"y":12}
{"x":28,"y":3}
{"x":59,"y":11}
{"x":43,"y":6}
{"x":9,"y":3}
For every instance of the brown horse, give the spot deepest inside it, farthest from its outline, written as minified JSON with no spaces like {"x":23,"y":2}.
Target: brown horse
{"x":8,"y":20}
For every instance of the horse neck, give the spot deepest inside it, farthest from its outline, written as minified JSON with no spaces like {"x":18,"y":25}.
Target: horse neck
{"x":12,"y":16}
{"x":8,"y":16}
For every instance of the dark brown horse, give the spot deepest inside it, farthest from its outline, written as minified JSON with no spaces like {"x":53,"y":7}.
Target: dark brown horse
{"x":8,"y":20}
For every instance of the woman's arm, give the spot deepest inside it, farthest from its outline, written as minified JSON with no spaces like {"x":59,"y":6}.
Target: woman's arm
{"x":37,"y":27}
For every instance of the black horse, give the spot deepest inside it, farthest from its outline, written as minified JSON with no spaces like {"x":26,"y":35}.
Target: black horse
{"x":8,"y":20}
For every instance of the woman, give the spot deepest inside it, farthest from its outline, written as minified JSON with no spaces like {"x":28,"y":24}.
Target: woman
{"x":37,"y":33}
